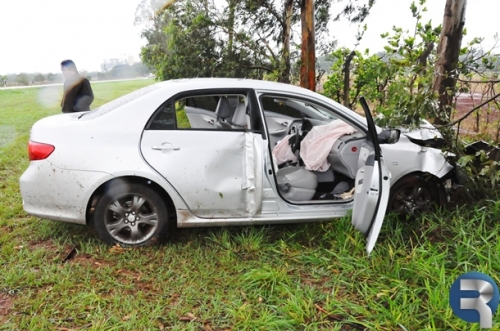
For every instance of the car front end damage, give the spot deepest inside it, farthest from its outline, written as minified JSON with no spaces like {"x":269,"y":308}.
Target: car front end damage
{"x":443,"y":165}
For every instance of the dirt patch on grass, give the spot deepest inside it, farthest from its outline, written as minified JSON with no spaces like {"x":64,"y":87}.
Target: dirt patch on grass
{"x":5,"y":229}
{"x":129,"y":274}
{"x":46,"y":244}
{"x":5,"y":307}
{"x":51,"y":251}
{"x":88,"y":260}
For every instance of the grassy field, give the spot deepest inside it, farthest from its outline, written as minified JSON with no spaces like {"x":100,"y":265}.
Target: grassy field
{"x":297,"y":277}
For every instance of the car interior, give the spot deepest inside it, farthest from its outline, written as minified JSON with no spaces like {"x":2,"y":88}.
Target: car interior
{"x":217,"y":112}
{"x":290,"y":119}
{"x":295,"y":182}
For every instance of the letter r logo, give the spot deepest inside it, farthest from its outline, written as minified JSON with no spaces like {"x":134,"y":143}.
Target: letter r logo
{"x":474,"y":298}
{"x":479,"y":304}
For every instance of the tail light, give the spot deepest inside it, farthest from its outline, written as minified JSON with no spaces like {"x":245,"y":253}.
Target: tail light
{"x":39,"y":151}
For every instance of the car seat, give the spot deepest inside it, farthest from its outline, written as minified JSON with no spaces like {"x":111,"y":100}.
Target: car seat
{"x":296,"y":183}
{"x":223,"y":113}
{"x":239,"y":119}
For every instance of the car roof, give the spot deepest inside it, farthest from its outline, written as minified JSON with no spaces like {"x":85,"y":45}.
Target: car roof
{"x":262,"y":85}
{"x":206,"y":83}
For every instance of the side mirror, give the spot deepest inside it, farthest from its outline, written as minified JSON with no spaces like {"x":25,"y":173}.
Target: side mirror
{"x":390,"y":136}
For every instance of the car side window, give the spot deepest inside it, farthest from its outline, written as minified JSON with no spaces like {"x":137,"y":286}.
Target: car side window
{"x":227,"y":112}
{"x":180,"y":115}
{"x":224,"y":112}
{"x":164,"y":118}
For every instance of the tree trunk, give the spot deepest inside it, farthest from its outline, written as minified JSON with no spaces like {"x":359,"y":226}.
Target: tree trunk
{"x":232,"y":8}
{"x":448,"y":53}
{"x":308,"y":56}
{"x":422,"y":61}
{"x":347,"y":77}
{"x":285,"y":67}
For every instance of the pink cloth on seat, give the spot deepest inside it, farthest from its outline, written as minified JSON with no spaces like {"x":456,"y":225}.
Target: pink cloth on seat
{"x":318,"y":143}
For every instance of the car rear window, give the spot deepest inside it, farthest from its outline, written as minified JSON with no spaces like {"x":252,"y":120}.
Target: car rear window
{"x":107,"y":107}
{"x":204,"y":102}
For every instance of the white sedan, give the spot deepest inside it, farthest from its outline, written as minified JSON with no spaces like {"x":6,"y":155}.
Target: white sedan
{"x":204,"y":152}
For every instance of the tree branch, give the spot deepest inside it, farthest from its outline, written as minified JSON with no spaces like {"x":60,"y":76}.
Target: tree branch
{"x":259,"y":67}
{"x":267,"y":46}
{"x":470,"y":112}
{"x":273,"y":12}
{"x":254,"y":48}
{"x":478,"y":81}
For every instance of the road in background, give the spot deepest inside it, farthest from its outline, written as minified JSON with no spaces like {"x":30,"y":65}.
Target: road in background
{"x":60,"y":84}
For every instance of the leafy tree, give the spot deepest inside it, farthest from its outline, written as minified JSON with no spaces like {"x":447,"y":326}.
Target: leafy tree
{"x":181,"y":43}
{"x":398,"y":81}
{"x":54,"y":78}
{"x":3,"y":80}
{"x":249,"y":38}
{"x":140,"y":69}
{"x":190,"y":40}
{"x":22,"y":79}
{"x":39,"y":78}
{"x":399,"y":84}
{"x":122,"y":71}
{"x":355,"y":11}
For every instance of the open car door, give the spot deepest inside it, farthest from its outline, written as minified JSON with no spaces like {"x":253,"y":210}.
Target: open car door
{"x":372,"y":185}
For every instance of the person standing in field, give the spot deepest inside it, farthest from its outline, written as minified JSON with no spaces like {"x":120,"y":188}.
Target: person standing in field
{"x":78,"y":94}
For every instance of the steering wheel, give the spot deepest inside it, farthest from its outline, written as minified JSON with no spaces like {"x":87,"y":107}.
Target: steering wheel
{"x":303,"y":128}
{"x":297,"y":138}
{"x":294,"y":126}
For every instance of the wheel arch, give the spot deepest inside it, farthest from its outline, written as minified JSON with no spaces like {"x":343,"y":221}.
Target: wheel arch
{"x":439,"y":182}
{"x":172,"y":215}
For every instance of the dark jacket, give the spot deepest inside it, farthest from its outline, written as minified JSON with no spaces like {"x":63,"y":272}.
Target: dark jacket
{"x":78,"y":95}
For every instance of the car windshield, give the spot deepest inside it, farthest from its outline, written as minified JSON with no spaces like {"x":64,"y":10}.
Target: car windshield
{"x":315,"y":109}
{"x":107,"y":107}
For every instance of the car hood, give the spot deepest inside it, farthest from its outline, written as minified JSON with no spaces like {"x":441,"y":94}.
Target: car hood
{"x":425,"y":135}
{"x":426,"y":131}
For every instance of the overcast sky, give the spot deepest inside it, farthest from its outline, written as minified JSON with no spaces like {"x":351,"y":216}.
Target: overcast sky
{"x":36,"y":35}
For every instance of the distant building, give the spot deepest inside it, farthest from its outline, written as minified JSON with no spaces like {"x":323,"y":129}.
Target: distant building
{"x":108,"y":65}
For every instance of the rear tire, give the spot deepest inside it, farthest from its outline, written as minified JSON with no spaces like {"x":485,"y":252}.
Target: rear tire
{"x":415,"y":194}
{"x":131,"y":215}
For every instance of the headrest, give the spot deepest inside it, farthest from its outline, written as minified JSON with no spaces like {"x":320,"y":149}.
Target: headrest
{"x":233,"y":101}
{"x":240,"y":115}
{"x":223,"y":109}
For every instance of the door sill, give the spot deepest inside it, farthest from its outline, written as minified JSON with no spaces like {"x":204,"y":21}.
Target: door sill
{"x":320,"y":202}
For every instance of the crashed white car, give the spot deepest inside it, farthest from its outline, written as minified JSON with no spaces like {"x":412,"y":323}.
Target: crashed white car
{"x":204,"y":152}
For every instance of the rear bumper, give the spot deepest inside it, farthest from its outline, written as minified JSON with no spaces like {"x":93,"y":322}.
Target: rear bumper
{"x":58,"y":194}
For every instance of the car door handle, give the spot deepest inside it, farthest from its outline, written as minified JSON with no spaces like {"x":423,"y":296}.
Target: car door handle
{"x":210,"y":122}
{"x":284,"y":124}
{"x":166,"y":147}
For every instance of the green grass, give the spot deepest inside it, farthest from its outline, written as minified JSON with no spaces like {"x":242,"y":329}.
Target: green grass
{"x":181,"y":117}
{"x":296,"y":277}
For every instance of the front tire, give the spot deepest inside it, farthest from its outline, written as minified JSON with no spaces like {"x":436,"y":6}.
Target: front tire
{"x":131,"y":215}
{"x":415,"y":194}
